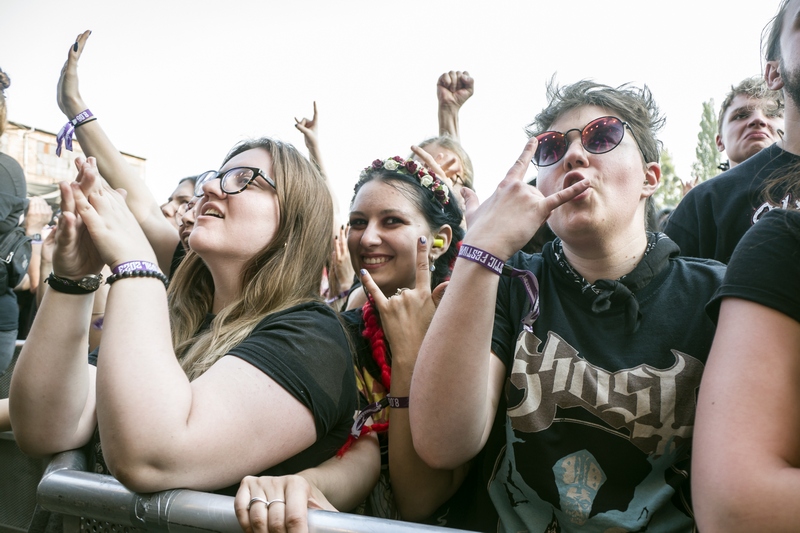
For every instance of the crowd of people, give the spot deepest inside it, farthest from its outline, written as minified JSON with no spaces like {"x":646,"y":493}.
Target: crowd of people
{"x":553,"y":358}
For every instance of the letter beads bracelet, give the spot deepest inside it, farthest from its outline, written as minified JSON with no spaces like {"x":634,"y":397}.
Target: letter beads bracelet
{"x":137,"y":269}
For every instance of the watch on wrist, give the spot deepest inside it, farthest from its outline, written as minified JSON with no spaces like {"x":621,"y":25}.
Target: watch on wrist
{"x":36,"y":237}
{"x":85,"y":285}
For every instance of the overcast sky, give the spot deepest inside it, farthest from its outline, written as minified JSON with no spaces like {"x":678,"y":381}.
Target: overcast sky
{"x":179,"y":82}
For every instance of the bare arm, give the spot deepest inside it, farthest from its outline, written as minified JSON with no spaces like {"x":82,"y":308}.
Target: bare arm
{"x":309,"y":129}
{"x":162,"y":235}
{"x":746,"y":446}
{"x":451,"y":417}
{"x":453,"y":89}
{"x":52,"y":387}
{"x":5,"y":421}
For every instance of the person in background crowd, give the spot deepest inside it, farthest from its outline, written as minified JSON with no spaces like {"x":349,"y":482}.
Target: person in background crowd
{"x":180,"y":196}
{"x":598,"y":368}
{"x":13,"y":201}
{"x":713,"y":217}
{"x":750,"y":119}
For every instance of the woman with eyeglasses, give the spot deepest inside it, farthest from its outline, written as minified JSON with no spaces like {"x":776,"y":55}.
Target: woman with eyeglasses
{"x":236,"y":368}
{"x":592,"y":350}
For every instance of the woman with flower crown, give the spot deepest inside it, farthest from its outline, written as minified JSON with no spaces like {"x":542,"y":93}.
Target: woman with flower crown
{"x":404,"y":229}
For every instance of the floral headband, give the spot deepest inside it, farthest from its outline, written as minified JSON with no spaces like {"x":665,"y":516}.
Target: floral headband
{"x":426,"y":178}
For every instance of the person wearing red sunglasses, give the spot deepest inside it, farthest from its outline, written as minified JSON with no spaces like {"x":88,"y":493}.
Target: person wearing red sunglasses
{"x":595,"y":352}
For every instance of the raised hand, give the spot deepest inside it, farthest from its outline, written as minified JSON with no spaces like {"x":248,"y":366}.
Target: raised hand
{"x":341,"y":273}
{"x":288,"y":500}
{"x":114,"y":230}
{"x":406,"y":314}
{"x":74,"y":255}
{"x":507,"y":220}
{"x":68,"y":95}
{"x":37,"y":216}
{"x":454,"y":88}
{"x":309,"y":130}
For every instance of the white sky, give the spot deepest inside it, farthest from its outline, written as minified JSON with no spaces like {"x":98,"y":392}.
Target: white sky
{"x":179,"y":82}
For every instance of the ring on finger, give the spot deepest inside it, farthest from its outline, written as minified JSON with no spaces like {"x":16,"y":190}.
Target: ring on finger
{"x":400,"y":291}
{"x":262,"y":500}
{"x":277,"y":500}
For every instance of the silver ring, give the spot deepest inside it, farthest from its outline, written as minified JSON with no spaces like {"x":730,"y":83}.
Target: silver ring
{"x":275,"y":501}
{"x":262,"y":500}
{"x":400,"y":291}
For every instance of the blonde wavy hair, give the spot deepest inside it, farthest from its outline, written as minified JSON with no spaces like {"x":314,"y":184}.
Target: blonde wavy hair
{"x":287,"y":272}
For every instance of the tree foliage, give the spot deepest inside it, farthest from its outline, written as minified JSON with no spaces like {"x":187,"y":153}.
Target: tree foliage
{"x":670,"y":190}
{"x":708,"y":157}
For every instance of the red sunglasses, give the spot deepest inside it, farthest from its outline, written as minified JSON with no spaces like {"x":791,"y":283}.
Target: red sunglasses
{"x":598,"y":137}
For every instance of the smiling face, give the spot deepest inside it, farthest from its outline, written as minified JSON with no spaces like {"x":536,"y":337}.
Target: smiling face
{"x":615,"y":202}
{"x":237,"y":226}
{"x":749,"y":126}
{"x":384,"y":227}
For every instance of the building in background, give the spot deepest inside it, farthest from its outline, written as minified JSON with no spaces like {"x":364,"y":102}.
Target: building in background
{"x":35,"y":150}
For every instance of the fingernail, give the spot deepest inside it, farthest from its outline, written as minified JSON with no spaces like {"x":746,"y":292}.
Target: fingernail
{"x":423,"y":240}
{"x":336,"y":237}
{"x":75,"y":47}
{"x":342,"y":226}
{"x":363,"y":272}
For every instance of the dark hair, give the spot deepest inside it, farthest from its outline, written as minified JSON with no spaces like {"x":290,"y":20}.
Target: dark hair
{"x":436,"y":214}
{"x":193,"y":179}
{"x":633,"y":105}
{"x":772,"y":31}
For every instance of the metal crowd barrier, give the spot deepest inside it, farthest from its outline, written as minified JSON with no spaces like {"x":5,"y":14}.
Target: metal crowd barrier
{"x":104,"y":504}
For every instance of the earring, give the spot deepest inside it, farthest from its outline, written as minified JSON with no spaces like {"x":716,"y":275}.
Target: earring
{"x":432,"y":267}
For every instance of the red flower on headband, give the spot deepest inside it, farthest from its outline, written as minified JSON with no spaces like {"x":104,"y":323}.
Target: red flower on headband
{"x":377,"y":164}
{"x":411,"y":166}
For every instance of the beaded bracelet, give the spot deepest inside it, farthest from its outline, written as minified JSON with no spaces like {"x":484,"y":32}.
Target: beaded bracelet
{"x":138,"y":274}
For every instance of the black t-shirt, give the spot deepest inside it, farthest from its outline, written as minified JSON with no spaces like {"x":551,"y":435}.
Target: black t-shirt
{"x":305,"y":350}
{"x":765,"y":268}
{"x":599,"y":418}
{"x":12,"y":204}
{"x":469,"y":508}
{"x":713,"y":217}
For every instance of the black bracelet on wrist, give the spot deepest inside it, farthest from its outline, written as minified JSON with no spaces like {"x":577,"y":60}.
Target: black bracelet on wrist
{"x":79,"y":124}
{"x":138,"y":274}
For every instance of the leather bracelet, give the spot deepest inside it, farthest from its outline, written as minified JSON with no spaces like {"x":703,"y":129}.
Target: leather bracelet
{"x":85,"y":285}
{"x":398,"y":402}
{"x":138,"y":274}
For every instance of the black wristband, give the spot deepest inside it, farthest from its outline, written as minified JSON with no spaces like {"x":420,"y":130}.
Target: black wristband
{"x":398,"y":403}
{"x":79,"y":124}
{"x":138,"y":274}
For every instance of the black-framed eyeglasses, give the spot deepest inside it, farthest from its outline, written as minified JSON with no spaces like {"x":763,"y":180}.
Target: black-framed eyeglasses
{"x":233,"y":181}
{"x":597,"y":137}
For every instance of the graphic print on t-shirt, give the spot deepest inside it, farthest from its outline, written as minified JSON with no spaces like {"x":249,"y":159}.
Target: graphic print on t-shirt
{"x":590,"y":447}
